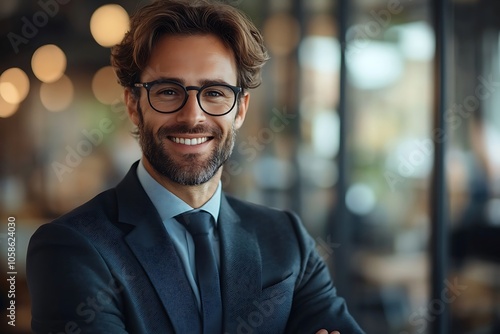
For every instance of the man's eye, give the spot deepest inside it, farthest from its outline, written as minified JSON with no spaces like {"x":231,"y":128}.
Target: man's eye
{"x":214,"y":93}
{"x":167,"y":92}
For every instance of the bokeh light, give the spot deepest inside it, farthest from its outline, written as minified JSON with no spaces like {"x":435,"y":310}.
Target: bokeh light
{"x":360,"y":199}
{"x":9,"y":92}
{"x":48,"y":63}
{"x":57,"y":96}
{"x":375,"y":66}
{"x":416,"y":40}
{"x":7,"y":109}
{"x":14,"y":85}
{"x":109,"y":24}
{"x":320,"y":53}
{"x":326,"y":134}
{"x":105,"y":86}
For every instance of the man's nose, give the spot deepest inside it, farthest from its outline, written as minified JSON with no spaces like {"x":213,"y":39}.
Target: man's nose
{"x":191,"y":114}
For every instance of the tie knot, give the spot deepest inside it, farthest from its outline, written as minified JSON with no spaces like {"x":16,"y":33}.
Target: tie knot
{"x":197,"y":223}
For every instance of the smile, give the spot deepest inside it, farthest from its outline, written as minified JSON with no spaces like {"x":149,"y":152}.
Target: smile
{"x":189,"y":141}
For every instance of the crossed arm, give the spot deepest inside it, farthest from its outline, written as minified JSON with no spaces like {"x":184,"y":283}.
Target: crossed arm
{"x":315,"y":301}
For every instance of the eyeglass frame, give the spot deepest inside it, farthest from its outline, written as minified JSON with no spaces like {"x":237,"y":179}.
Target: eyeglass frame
{"x":147,"y":85}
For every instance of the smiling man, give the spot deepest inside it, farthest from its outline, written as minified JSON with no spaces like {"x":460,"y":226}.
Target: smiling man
{"x":193,"y":109}
{"x":166,"y":251}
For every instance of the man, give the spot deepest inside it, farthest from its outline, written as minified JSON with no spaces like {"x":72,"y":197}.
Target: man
{"x":166,"y":251}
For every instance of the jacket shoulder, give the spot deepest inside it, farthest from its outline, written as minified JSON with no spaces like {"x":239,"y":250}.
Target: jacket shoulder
{"x":256,"y":210}
{"x":269,"y":221}
{"x":102,"y":207}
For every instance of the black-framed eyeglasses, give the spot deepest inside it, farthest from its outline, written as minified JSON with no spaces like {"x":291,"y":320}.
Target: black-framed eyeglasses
{"x":166,"y":96}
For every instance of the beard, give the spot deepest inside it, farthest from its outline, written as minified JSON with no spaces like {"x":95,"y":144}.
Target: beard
{"x":190,"y":169}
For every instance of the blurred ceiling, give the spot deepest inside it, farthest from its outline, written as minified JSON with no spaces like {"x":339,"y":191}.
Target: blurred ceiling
{"x":31,"y":24}
{"x":27,"y":25}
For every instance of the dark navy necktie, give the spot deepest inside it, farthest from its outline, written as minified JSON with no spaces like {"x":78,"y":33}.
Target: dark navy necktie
{"x":198,"y":224}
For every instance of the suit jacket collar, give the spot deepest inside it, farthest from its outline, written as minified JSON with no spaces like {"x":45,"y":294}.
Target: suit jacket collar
{"x":240,"y":258}
{"x":150,"y":243}
{"x":241,"y":265}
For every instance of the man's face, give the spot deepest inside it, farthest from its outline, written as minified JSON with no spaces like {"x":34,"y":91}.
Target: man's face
{"x":189,"y":146}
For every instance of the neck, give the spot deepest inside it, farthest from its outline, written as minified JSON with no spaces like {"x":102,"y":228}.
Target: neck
{"x":194,"y":196}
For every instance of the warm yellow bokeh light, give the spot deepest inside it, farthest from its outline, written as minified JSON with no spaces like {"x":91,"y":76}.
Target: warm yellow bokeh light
{"x":48,"y":63}
{"x":109,"y":24}
{"x":14,"y":78}
{"x":57,"y":96}
{"x":105,"y":86}
{"x":9,"y":92}
{"x":7,"y":109}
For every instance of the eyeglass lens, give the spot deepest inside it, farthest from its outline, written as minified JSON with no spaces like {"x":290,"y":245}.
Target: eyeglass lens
{"x":169,"y":97}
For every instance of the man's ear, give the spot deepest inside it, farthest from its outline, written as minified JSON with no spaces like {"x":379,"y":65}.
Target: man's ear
{"x":242,"y":110}
{"x":131,"y":103}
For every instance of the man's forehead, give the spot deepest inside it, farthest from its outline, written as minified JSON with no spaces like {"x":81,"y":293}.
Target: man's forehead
{"x":182,"y":48}
{"x":200,"y":57}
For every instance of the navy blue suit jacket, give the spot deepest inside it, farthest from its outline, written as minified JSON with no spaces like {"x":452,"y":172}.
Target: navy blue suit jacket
{"x":109,"y":266}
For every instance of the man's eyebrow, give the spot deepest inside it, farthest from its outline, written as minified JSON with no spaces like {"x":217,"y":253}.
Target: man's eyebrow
{"x":178,"y":80}
{"x":202,"y":82}
{"x":213,"y":82}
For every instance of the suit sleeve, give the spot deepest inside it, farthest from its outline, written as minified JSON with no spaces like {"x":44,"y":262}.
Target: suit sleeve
{"x":315,"y":302}
{"x":72,"y":290}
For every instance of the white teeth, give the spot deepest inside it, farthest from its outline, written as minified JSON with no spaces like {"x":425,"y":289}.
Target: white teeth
{"x":189,"y":142}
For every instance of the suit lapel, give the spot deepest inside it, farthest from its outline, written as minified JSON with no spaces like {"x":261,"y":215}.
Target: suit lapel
{"x":155,"y":251}
{"x":241,"y":266}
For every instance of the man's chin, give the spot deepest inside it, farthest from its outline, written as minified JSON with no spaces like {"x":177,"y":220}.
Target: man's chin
{"x":190,"y":179}
{"x":186,"y":173}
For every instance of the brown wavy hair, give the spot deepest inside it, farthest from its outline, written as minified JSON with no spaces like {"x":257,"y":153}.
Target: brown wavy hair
{"x":188,"y":17}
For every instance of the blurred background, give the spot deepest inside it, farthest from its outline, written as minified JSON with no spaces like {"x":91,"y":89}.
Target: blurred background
{"x":359,"y":178}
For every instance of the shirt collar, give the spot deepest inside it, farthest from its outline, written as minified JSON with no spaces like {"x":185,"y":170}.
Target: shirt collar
{"x":169,"y":205}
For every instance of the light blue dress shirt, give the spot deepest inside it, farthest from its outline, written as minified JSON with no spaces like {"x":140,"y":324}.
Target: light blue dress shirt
{"x":168,"y":206}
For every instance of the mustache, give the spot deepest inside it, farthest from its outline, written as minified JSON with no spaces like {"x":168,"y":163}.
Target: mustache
{"x":168,"y":131}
